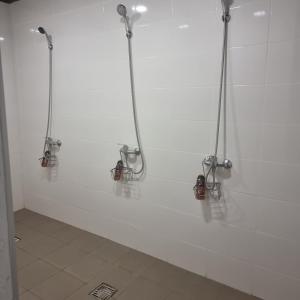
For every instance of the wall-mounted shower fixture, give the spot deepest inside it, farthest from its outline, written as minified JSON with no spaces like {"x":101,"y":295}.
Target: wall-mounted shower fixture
{"x":51,"y":145}
{"x":122,"y":167}
{"x":123,"y":170}
{"x":211,"y":164}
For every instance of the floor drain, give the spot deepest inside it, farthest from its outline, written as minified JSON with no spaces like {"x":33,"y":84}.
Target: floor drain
{"x":17,"y":239}
{"x":104,"y":291}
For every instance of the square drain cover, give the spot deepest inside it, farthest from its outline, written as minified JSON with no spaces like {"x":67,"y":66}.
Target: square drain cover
{"x":104,"y":291}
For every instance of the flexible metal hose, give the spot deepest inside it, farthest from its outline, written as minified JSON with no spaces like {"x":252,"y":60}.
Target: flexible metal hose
{"x":49,"y":121}
{"x":133,"y":97}
{"x":222,"y":90}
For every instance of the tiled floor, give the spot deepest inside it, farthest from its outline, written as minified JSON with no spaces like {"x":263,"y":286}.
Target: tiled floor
{"x":56,"y":261}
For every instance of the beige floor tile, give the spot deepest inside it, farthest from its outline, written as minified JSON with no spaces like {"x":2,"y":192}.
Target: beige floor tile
{"x":84,"y":293}
{"x":40,"y":247}
{"x":29,"y":296}
{"x":166,"y":274}
{"x":88,"y":242}
{"x":34,"y":220}
{"x":67,"y":234}
{"x":32,"y":275}
{"x":182,"y":296}
{"x":118,"y":278}
{"x":135,"y":261}
{"x":50,"y":227}
{"x":92,"y":259}
{"x":198,"y":287}
{"x":23,"y":214}
{"x":65,"y":256}
{"x":111,"y":252}
{"x":58,"y":287}
{"x":24,"y":259}
{"x":144,"y":289}
{"x":86,"y":269}
{"x":21,"y":290}
{"x":26,"y":234}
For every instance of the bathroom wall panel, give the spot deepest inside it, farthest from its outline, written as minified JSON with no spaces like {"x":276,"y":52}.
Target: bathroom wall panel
{"x":177,"y":53}
{"x":278,"y":218}
{"x":253,"y":17}
{"x":284,"y":100}
{"x":232,"y":272}
{"x":285,"y":22}
{"x":284,"y":62}
{"x":265,"y":281}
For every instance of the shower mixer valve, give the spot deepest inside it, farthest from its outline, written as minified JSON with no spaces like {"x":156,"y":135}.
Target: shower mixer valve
{"x":210,"y":165}
{"x":122,"y":171}
{"x":212,"y":161}
{"x":127,"y":151}
{"x":51,"y":147}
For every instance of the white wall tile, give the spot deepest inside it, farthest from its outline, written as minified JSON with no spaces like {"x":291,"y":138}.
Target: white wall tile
{"x":234,"y":273}
{"x":284,"y":62}
{"x":278,"y":218}
{"x":277,"y":254}
{"x":243,"y":141}
{"x":281,"y":104}
{"x":243,"y":177}
{"x":249,"y":23}
{"x":275,"y":286}
{"x":247,"y":65}
{"x":240,"y":210}
{"x":193,"y":8}
{"x":281,"y":144}
{"x":278,"y":181}
{"x":284,"y":20}
{"x":244,"y":103}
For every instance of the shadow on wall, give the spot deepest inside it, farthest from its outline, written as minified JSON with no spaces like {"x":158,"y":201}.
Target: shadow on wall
{"x":129,"y":189}
{"x":51,"y":174}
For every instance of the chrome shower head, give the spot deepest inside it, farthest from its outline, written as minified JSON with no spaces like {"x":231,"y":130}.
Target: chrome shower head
{"x":41,"y":30}
{"x":48,"y":37}
{"x":226,"y":5}
{"x":122,"y":10}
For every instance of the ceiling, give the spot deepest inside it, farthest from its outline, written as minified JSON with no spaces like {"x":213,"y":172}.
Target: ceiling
{"x":8,"y":1}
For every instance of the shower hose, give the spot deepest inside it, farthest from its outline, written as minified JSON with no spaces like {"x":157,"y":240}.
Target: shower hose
{"x":133,"y":98}
{"x":212,"y":186}
{"x":49,"y":121}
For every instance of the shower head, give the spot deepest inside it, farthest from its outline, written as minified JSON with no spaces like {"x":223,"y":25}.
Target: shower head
{"x":41,"y":30}
{"x":226,"y":5}
{"x":48,"y":37}
{"x":122,"y":10}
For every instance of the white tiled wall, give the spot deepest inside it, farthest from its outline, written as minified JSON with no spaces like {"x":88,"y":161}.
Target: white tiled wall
{"x":251,"y":240}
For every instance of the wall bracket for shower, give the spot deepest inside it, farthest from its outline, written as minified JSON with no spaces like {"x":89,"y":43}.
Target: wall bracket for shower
{"x":49,"y":159}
